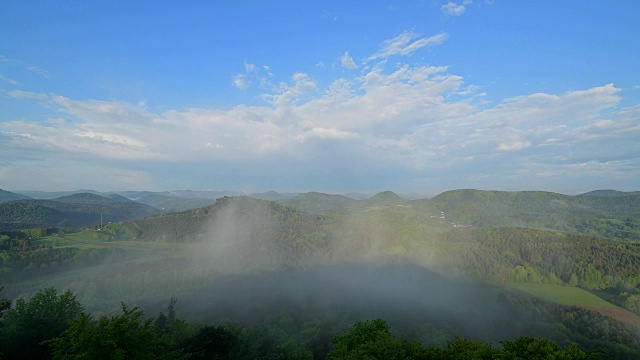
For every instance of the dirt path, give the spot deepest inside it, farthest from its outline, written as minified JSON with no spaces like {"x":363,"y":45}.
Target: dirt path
{"x":621,"y":315}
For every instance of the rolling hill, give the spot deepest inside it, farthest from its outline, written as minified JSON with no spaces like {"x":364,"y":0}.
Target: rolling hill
{"x":610,"y":216}
{"x":71,"y":211}
{"x":6,"y":196}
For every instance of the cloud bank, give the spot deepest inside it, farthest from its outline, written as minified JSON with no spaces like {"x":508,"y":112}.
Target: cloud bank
{"x":399,"y":126}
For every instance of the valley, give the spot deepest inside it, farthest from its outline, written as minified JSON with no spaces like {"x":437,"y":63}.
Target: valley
{"x":520,"y":264}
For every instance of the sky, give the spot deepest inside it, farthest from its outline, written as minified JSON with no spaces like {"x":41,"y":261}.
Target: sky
{"x":331,"y":96}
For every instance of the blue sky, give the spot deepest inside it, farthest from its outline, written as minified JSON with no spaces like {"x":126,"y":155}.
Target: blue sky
{"x":411,"y":96}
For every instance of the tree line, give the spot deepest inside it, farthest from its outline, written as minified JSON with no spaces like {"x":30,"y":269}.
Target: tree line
{"x":55,"y":326}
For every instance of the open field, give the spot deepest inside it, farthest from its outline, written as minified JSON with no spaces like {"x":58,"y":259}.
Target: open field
{"x":567,"y":295}
{"x":85,"y":240}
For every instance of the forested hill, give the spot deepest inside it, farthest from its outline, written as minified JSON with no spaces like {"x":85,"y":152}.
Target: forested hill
{"x":89,"y":198}
{"x":318,"y":202}
{"x":6,"y":196}
{"x":78,"y":210}
{"x":610,"y":216}
{"x":315,"y":202}
{"x":256,"y":229}
{"x":610,"y":193}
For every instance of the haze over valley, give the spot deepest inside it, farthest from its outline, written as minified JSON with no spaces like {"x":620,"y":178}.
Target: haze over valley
{"x":478,"y":264}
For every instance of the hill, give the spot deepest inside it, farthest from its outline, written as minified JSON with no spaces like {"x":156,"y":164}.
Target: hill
{"x":385,"y":198}
{"x":172,"y":203}
{"x":81,"y":198}
{"x":53,"y":194}
{"x":315,"y":202}
{"x":608,"y":216}
{"x":259,"y":231}
{"x":270,"y":196}
{"x":70,"y":211}
{"x":609,"y":193}
{"x":6,"y":196}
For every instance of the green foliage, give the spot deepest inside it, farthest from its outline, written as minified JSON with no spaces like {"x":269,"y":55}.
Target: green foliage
{"x":461,"y":348}
{"x":4,"y":303}
{"x":561,"y":294}
{"x":24,"y":260}
{"x":79,"y":210}
{"x":119,"y":337}
{"x":530,"y":348}
{"x":617,"y":216}
{"x":211,"y":342}
{"x":373,"y":340}
{"x":592,"y":331}
{"x":314,"y":202}
{"x":29,"y":323}
{"x":6,"y":196}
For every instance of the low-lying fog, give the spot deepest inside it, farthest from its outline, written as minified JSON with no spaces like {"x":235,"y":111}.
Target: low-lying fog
{"x":242,"y":271}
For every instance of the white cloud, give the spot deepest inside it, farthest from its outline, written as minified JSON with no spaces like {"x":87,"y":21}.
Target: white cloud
{"x":326,"y":134}
{"x":239,"y":81}
{"x":19,"y":94}
{"x":418,"y":119}
{"x":514,"y":146}
{"x":347,"y":61}
{"x":401,"y":116}
{"x":252,"y":73}
{"x":453,"y":9}
{"x":406,"y":43}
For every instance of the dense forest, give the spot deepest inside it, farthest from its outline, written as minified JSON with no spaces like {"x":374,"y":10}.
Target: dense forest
{"x":56,"y":326}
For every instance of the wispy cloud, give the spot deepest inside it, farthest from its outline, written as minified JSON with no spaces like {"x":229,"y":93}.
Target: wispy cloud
{"x":8,"y":80}
{"x":22,"y":64}
{"x":406,"y":43}
{"x":347,"y":61}
{"x":20,"y":94}
{"x":252,"y":73}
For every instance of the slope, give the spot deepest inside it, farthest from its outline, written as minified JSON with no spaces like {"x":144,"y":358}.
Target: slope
{"x":617,"y":216}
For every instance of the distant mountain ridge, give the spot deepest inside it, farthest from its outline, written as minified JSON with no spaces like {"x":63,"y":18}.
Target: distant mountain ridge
{"x":76,"y":210}
{"x":610,"y":193}
{"x":6,"y":196}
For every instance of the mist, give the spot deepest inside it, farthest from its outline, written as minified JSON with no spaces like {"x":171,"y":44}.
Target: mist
{"x":256,"y":263}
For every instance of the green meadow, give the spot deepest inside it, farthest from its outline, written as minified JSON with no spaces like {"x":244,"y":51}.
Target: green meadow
{"x":565,"y":295}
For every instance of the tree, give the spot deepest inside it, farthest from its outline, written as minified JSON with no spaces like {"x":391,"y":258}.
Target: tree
{"x":461,"y":348}
{"x":526,"y":347}
{"x":4,"y":303}
{"x":573,"y":281}
{"x":124,"y":336}
{"x":29,"y":323}
{"x":373,"y":340}
{"x":209,"y":343}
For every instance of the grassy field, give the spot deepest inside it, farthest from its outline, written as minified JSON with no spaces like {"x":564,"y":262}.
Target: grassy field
{"x":89,"y":240}
{"x":565,"y":295}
